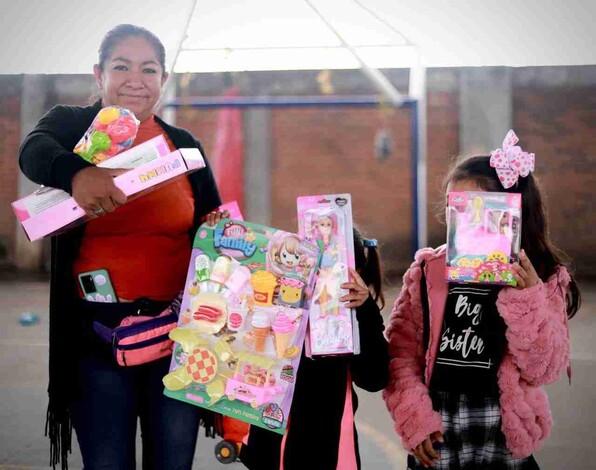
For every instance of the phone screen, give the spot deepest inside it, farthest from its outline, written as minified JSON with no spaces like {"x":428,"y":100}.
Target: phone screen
{"x":88,"y":284}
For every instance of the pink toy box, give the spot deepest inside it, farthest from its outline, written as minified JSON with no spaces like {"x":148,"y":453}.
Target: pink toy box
{"x":327,"y":221}
{"x":51,"y":211}
{"x":483,"y":237}
{"x":242,"y":322}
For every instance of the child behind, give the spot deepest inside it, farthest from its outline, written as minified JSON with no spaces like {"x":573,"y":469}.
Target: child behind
{"x":471,"y":395}
{"x":320,"y":415}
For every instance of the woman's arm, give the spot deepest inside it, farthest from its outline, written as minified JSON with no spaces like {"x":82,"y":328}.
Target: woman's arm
{"x":370,"y":368}
{"x":537,"y":333}
{"x":406,"y":396}
{"x":46,"y":155}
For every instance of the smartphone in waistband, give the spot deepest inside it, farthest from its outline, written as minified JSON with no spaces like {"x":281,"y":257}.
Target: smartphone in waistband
{"x":97,"y":286}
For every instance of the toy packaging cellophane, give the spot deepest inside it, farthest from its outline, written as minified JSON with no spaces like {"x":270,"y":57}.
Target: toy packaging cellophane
{"x":112,"y":131}
{"x":483,"y":236}
{"x":327,"y":220}
{"x":242,"y":323}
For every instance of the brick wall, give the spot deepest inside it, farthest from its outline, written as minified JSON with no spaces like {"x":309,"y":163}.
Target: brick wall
{"x":332,"y":149}
{"x":556,"y":119}
{"x":10,"y":115}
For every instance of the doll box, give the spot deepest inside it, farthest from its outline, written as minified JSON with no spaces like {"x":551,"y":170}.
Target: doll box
{"x":50,"y":211}
{"x":327,"y":221}
{"x":483,"y":237}
{"x":242,"y":322}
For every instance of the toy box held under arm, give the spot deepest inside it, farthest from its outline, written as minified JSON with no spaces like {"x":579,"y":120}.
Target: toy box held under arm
{"x":51,"y":211}
{"x":483,"y":237}
{"x":242,"y":322}
{"x":327,"y":221}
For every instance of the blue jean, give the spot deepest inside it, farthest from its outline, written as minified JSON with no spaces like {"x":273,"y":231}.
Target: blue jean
{"x":105,"y":417}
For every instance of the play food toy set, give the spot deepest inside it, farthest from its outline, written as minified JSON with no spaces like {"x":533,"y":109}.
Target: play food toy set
{"x":242,"y":322}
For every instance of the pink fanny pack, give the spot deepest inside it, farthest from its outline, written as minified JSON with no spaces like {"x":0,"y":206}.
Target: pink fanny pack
{"x":140,"y":339}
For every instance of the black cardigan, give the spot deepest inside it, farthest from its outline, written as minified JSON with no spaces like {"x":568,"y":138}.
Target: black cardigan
{"x":46,"y":158}
{"x":318,"y":403}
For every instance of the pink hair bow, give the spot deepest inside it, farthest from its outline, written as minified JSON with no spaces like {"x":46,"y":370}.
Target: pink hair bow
{"x":511,"y":161}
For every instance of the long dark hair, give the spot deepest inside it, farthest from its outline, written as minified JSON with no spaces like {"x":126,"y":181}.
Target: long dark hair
{"x":369,"y":266}
{"x":535,"y":240}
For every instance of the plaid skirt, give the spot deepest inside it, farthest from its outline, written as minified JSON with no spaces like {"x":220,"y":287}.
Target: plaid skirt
{"x":473,"y":436}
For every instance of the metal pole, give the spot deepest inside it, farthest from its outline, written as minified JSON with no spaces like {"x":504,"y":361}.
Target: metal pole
{"x":169,"y":90}
{"x":418,"y":91}
{"x":382,"y":83}
{"x":280,"y":101}
{"x":414,"y":150}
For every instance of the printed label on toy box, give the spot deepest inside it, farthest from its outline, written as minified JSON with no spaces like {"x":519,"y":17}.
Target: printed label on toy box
{"x":43,"y":199}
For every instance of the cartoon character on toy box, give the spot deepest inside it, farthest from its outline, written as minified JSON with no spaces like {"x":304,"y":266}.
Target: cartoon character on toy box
{"x":483,"y":236}
{"x":327,"y":221}
{"x":242,"y":323}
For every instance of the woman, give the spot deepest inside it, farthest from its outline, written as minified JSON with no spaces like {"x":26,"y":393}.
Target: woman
{"x":144,"y":245}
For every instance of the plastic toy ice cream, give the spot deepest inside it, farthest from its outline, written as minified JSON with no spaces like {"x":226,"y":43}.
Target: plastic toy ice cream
{"x":263,"y":284}
{"x":236,"y":284}
{"x":112,"y":131}
{"x":283,"y":327}
{"x":203,"y":268}
{"x":261,"y":328}
{"x":200,"y":280}
{"x":220,"y":272}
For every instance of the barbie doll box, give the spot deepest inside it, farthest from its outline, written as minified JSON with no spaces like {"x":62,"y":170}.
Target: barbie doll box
{"x":483,"y":237}
{"x":50,"y":211}
{"x":242,"y":323}
{"x":327,"y":221}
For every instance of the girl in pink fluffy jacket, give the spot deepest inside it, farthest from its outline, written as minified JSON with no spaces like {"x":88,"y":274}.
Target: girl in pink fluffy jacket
{"x":467,"y":368}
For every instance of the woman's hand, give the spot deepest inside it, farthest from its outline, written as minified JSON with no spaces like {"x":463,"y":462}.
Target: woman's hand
{"x":358,"y":291}
{"x":425,"y":452}
{"x":524,"y":272}
{"x":94,"y":190}
{"x":215,"y":216}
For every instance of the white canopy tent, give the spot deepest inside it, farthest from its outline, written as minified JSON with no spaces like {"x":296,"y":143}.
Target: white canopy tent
{"x":62,"y":37}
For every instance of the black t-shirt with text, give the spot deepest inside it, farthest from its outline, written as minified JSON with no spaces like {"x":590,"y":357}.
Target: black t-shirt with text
{"x":472,"y":342}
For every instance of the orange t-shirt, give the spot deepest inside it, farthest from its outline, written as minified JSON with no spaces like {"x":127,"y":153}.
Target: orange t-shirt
{"x":144,"y":245}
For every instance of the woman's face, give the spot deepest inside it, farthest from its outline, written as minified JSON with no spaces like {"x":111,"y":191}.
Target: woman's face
{"x":131,"y":77}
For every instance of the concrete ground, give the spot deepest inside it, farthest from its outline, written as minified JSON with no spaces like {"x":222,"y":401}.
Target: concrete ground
{"x":23,"y":378}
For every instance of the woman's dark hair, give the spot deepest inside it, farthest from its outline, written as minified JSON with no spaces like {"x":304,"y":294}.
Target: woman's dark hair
{"x":535,"y":236}
{"x":123,"y":31}
{"x":369,"y":266}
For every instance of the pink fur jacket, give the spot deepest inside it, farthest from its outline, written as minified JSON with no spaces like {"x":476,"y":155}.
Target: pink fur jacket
{"x":536,"y":354}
